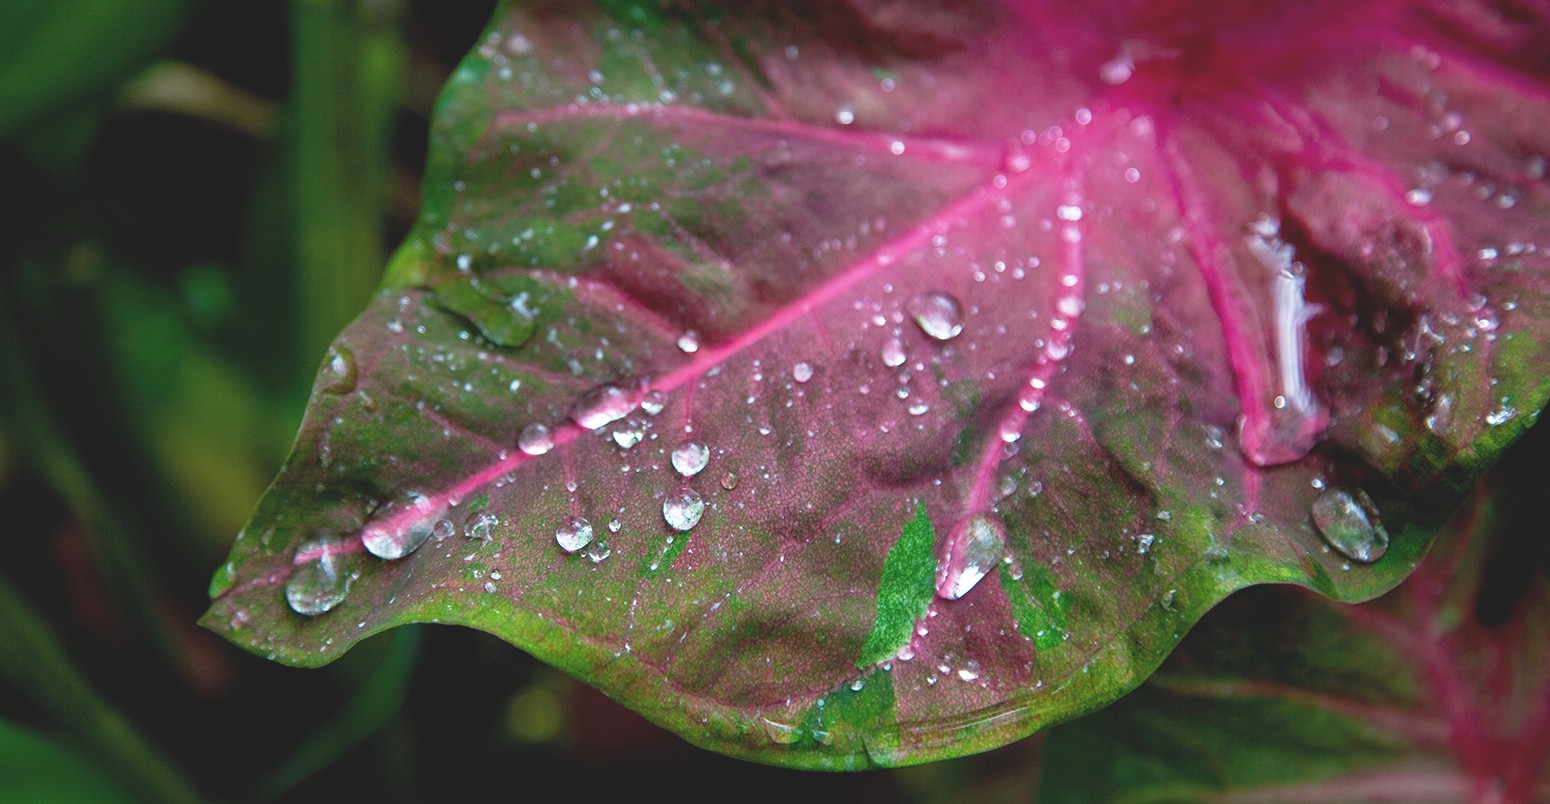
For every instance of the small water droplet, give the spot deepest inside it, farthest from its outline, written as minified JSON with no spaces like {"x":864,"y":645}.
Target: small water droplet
{"x":480,"y":525}
{"x":893,"y":353}
{"x":321,"y":579}
{"x":857,"y":684}
{"x":683,"y":509}
{"x":339,"y":371}
{"x":442,"y":529}
{"x":729,"y":481}
{"x":938,"y":315}
{"x":970,"y":671}
{"x":689,"y":342}
{"x":974,"y":548}
{"x":689,"y":459}
{"x":781,"y":733}
{"x":630,"y":433}
{"x":598,"y":551}
{"x":602,"y":406}
{"x":1349,"y":522}
{"x":574,"y":535}
{"x":802,"y":372}
{"x":535,"y":439}
{"x":386,"y":537}
{"x":653,"y":402}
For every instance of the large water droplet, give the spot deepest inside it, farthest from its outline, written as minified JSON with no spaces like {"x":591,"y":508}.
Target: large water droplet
{"x":975,"y":547}
{"x":630,"y":433}
{"x":602,"y":406}
{"x":1350,"y":524}
{"x":480,"y":525}
{"x":690,"y":458}
{"x":938,"y":315}
{"x":400,"y":527}
{"x":574,"y":535}
{"x":683,"y":509}
{"x":535,"y":439}
{"x":802,"y":372}
{"x":893,"y":353}
{"x":339,"y":372}
{"x":653,"y":402}
{"x":321,"y":578}
{"x":689,"y":342}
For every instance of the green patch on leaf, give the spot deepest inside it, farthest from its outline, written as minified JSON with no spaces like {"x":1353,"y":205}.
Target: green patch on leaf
{"x":904,"y":592}
{"x":1037,"y":606}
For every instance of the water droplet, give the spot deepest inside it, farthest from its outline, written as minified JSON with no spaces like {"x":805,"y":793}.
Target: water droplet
{"x":598,"y":551}
{"x":975,"y":547}
{"x":480,"y":525}
{"x":857,"y":684}
{"x":630,"y":433}
{"x":339,"y":371}
{"x":690,"y":458}
{"x":729,"y":481}
{"x":602,"y":406}
{"x":574,"y":535}
{"x":893,"y":353}
{"x":442,"y":529}
{"x":653,"y":402}
{"x":1350,"y":524}
{"x":683,"y":509}
{"x":938,"y":315}
{"x":970,"y":671}
{"x":781,"y":733}
{"x":802,"y":372}
{"x":400,"y":527}
{"x":689,"y":342}
{"x":321,"y":578}
{"x":535,"y":439}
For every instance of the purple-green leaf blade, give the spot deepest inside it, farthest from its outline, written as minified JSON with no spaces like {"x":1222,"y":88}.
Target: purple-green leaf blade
{"x":1108,"y":321}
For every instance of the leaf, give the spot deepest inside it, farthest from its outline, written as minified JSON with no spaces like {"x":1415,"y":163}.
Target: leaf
{"x":1438,"y":692}
{"x":1148,"y":301}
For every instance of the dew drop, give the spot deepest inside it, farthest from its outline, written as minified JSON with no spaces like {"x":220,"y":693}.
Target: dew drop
{"x":689,"y":342}
{"x":535,"y":439}
{"x":802,"y":372}
{"x":598,"y":551}
{"x":690,"y":458}
{"x":339,"y":372}
{"x":321,"y":578}
{"x":729,"y":481}
{"x":683,"y":509}
{"x":975,"y":547}
{"x":970,"y":671}
{"x":630,"y":433}
{"x":781,"y":733}
{"x":602,"y":406}
{"x":480,"y":525}
{"x":653,"y":402}
{"x":1350,"y":524}
{"x":385,"y":537}
{"x":574,"y":535}
{"x":893,"y":353}
{"x":938,"y":315}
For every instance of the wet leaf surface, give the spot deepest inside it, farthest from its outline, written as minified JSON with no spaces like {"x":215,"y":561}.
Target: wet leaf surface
{"x":1437,"y":692}
{"x":733,"y":339}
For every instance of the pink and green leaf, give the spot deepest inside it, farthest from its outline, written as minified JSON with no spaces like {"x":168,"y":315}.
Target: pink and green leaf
{"x":1016,"y":337}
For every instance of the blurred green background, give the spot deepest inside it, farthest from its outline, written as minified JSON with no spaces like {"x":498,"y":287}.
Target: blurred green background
{"x":198,"y":197}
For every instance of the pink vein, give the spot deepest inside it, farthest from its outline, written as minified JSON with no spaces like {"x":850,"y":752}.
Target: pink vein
{"x":1205,"y":245}
{"x":914,"y":239}
{"x":1057,"y":346}
{"x":917,"y":148}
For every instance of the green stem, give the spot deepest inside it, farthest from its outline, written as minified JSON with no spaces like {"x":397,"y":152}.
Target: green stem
{"x":34,"y":661}
{"x":347,"y":60}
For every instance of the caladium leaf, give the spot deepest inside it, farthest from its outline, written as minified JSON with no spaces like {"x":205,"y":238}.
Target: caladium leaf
{"x":842,"y":385}
{"x":1438,"y":692}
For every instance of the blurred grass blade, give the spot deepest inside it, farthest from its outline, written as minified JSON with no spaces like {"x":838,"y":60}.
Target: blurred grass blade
{"x":378,"y":701}
{"x":34,"y":661}
{"x":348,"y":60}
